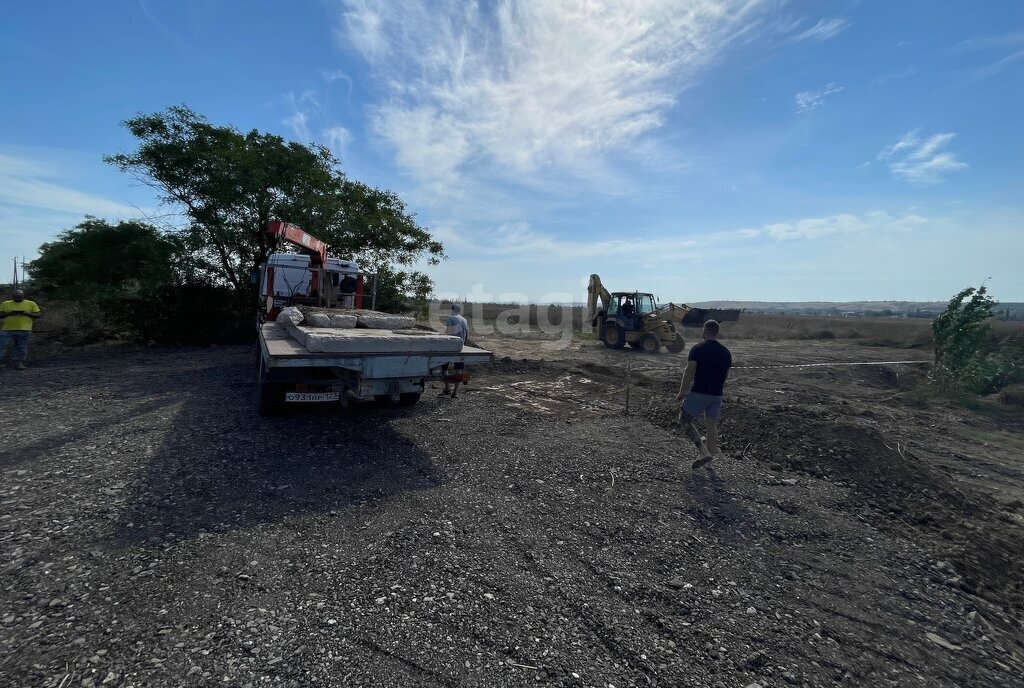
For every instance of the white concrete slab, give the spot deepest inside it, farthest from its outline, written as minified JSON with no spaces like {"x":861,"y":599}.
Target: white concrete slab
{"x":385,"y":321}
{"x":343,"y":321}
{"x":317,"y":320}
{"x":290,"y":316}
{"x":366,"y":341}
{"x":297,"y":333}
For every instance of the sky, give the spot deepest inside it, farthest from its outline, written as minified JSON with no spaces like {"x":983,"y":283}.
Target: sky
{"x":708,"y":149}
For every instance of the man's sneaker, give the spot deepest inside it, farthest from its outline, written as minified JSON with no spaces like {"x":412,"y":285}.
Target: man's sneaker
{"x":703,"y":461}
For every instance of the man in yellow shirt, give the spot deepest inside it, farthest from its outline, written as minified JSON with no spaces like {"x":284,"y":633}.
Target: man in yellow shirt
{"x":18,"y":314}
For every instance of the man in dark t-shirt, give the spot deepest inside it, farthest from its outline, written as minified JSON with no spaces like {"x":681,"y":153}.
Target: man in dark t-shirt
{"x":707,"y":367}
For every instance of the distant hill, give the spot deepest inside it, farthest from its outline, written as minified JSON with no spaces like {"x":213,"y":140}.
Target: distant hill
{"x":921,"y":309}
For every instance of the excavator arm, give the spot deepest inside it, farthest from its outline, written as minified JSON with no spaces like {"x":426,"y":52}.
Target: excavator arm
{"x":596,"y":292}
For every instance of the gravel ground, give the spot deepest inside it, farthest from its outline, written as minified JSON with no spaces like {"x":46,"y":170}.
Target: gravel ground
{"x":156,"y":532}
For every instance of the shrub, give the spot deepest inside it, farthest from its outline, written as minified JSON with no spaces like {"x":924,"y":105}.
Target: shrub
{"x":192,"y":314}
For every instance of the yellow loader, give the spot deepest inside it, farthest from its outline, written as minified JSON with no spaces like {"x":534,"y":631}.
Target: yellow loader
{"x":636,"y":318}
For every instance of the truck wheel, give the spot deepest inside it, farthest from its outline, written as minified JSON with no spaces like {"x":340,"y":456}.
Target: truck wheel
{"x":269,"y":397}
{"x":678,"y":345}
{"x":650,"y":344}
{"x":613,"y":336}
{"x":408,"y":398}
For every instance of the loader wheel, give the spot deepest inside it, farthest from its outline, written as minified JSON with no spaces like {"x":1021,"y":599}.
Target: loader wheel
{"x":650,"y":344}
{"x":678,"y":345}
{"x":613,"y":336}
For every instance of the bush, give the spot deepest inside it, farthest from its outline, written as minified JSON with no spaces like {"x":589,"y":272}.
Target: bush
{"x":192,"y":314}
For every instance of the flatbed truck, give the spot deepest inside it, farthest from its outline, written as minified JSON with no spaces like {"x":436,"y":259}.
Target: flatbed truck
{"x":290,"y":375}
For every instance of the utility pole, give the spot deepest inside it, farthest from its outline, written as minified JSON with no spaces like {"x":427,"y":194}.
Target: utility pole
{"x":15,"y":272}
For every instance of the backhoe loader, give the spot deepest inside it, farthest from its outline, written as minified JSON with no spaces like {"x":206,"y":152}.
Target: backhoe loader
{"x":635,"y":318}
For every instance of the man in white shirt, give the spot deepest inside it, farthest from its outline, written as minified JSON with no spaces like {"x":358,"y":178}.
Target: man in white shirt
{"x":456,"y":326}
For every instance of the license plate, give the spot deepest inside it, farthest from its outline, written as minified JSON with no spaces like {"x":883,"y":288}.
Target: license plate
{"x":311,"y":396}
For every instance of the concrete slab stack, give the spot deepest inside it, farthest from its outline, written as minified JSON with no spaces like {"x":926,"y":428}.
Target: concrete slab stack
{"x":322,"y":330}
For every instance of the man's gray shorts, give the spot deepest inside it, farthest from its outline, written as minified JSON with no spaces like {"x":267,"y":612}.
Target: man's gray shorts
{"x":696,"y":405}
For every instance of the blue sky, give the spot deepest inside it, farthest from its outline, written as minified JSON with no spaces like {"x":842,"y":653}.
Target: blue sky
{"x":755,"y":150}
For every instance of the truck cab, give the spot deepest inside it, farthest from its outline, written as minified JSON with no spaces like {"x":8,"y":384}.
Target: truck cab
{"x":287,"y":279}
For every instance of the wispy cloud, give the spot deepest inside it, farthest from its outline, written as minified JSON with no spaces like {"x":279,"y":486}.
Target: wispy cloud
{"x":921,"y":161}
{"x":515,"y":239}
{"x":812,"y":100}
{"x":823,"y":30}
{"x":896,"y":75}
{"x":31,"y":184}
{"x":986,"y":42}
{"x":301,"y":105}
{"x":337,"y":138}
{"x":38,"y":198}
{"x":517,"y":88}
{"x":843,"y":223}
{"x":987,"y":45}
{"x":997,"y":66}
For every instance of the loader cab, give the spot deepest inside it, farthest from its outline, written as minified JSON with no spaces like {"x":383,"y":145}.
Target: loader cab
{"x":629,"y":308}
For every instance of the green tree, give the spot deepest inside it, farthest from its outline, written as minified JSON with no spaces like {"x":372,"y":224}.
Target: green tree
{"x":401,"y":292}
{"x":229,"y":184}
{"x":98,"y":258}
{"x":963,"y":359}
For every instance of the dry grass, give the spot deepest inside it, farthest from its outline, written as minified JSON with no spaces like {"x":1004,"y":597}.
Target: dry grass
{"x":1012,"y":395}
{"x":898,"y":332}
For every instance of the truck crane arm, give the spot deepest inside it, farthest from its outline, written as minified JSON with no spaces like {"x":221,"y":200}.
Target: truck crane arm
{"x":283,"y":232}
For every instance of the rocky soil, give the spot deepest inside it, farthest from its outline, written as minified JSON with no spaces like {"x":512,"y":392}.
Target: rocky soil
{"x":155,"y":531}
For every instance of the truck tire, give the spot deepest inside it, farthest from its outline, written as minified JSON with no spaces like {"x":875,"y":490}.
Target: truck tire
{"x":650,"y":344}
{"x":409,"y":398}
{"x":613,"y":336}
{"x":269,"y":396}
{"x":678,"y":345}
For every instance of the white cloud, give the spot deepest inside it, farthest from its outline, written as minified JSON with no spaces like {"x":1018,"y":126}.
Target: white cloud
{"x":521,"y":88}
{"x":823,"y":30}
{"x":812,"y":100}
{"x":921,"y":161}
